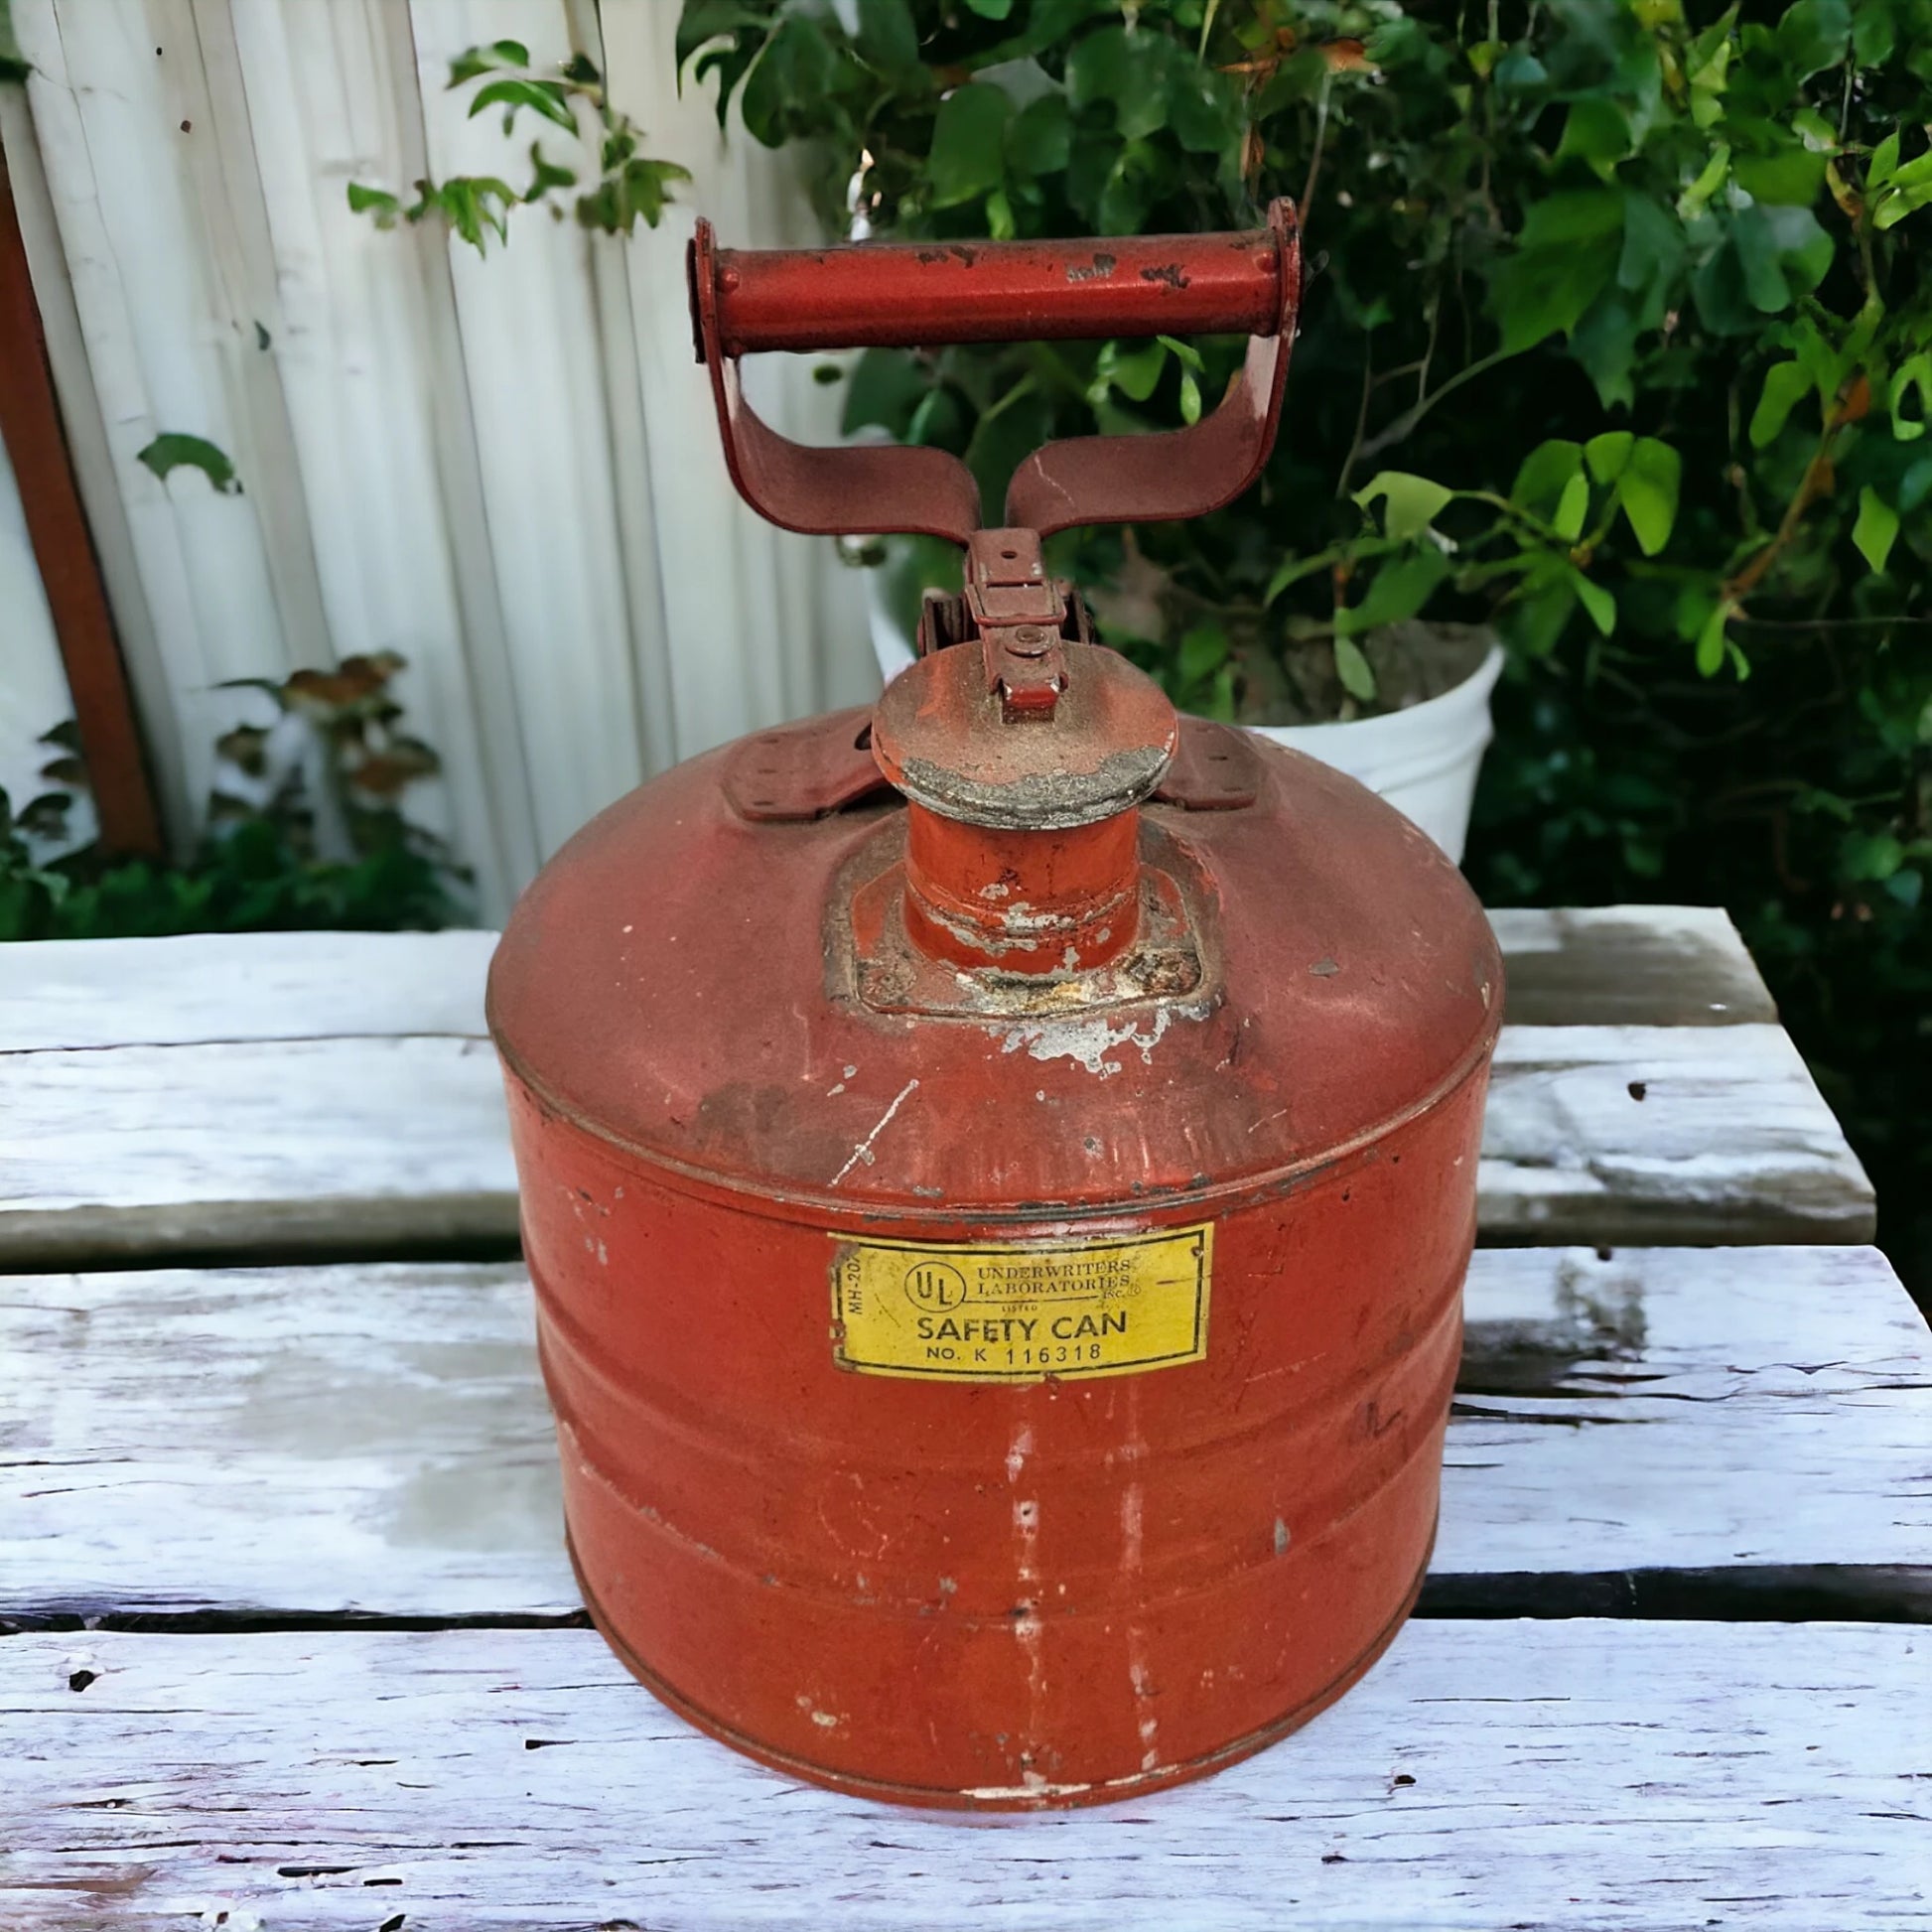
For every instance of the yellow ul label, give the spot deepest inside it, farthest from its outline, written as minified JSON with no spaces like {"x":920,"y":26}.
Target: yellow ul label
{"x":970,"y":1314}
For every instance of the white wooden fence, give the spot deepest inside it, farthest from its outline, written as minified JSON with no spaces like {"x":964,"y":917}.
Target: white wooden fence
{"x":504,"y":469}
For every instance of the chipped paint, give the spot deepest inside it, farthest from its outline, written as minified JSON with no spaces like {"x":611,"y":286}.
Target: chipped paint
{"x":861,"y":1151}
{"x":1034,"y":1786}
{"x":1091,"y":1041}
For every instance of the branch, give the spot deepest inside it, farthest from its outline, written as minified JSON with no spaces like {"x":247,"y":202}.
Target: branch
{"x":1409,"y":417}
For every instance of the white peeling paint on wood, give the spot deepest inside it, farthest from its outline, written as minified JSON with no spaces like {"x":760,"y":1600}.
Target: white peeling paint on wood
{"x":1665,"y":1133}
{"x":258,"y":986}
{"x":1730,"y":1141}
{"x":375,"y":1438}
{"x":252,"y":1144}
{"x":312,"y":985}
{"x":1552,"y":1776}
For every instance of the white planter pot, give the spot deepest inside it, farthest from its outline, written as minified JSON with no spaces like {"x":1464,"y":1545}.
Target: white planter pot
{"x":1424,"y":760}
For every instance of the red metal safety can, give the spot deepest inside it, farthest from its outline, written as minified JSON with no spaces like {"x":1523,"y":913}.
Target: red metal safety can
{"x":998,"y":1171}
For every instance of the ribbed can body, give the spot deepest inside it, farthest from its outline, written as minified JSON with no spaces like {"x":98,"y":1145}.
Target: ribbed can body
{"x":918,"y":1481}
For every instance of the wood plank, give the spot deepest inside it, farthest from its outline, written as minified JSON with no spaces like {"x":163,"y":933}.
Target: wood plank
{"x":1616,"y":965}
{"x":222,"y":987}
{"x":292,"y":1094}
{"x":1629,"y":966}
{"x":1664,"y":1134}
{"x":374,"y":1439}
{"x":285,"y":1147}
{"x":1577,"y":1775}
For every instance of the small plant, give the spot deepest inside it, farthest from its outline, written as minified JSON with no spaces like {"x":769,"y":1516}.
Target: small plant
{"x":305,"y":830}
{"x":624,"y":184}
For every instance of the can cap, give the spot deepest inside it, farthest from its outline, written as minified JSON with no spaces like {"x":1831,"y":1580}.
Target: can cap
{"x":947,"y":736}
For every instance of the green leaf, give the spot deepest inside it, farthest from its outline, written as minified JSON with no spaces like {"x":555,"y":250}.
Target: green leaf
{"x":1041,"y":138}
{"x":545,"y":175}
{"x":1399,"y":591}
{"x":990,"y":9}
{"x":1885,"y":161}
{"x":173,"y":450}
{"x":1915,"y":487}
{"x":1909,"y":190}
{"x":1189,"y":397}
{"x":1607,"y":454}
{"x":375,"y":202}
{"x":1647,"y":487}
{"x":1203,"y":651}
{"x":1697,"y":197}
{"x":1567,"y":251}
{"x":1408,"y":503}
{"x":542,"y":98}
{"x":1875,"y":528}
{"x":1604,"y":342}
{"x":1356,"y":674}
{"x":640,"y":186}
{"x":1291,"y":569}
{"x":968,"y":144}
{"x":1184,"y":352}
{"x":1915,"y":372}
{"x":14,"y":66}
{"x":1125,"y":71}
{"x":1597,"y":133}
{"x":1596,"y":600}
{"x":890,"y":41}
{"x":472,"y":203}
{"x":1134,"y":372}
{"x":1812,"y":36}
{"x":1784,"y":385}
{"x":1792,"y":176}
{"x":1653,"y":244}
{"x":1545,"y":474}
{"x":475,"y":61}
{"x":1817,"y":133}
{"x":1874,"y":32}
{"x":1874,"y":855}
{"x":1572,"y":506}
{"x":1711,"y":641}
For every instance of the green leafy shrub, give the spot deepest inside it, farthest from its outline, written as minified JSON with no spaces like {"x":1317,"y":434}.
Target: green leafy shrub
{"x":623,"y":185}
{"x":1617,"y":334}
{"x":306,"y":832}
{"x":1562,"y":257}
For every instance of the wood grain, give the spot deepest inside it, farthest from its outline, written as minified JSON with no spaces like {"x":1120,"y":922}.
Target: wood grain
{"x":1665,"y":1133}
{"x":375,"y":1440}
{"x":282,"y":1096}
{"x":1614,"y":965}
{"x":1629,"y":966}
{"x":1552,"y":1776}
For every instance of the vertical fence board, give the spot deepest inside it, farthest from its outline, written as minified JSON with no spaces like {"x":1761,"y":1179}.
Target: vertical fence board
{"x":506,"y":469}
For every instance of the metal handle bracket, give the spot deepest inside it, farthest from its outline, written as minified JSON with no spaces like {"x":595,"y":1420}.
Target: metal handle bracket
{"x":744,"y":299}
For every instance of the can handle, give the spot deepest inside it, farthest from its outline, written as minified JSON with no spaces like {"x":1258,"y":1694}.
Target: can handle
{"x":927,"y":293}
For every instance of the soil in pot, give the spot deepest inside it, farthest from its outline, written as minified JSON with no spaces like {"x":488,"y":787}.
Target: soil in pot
{"x":1412,"y":661}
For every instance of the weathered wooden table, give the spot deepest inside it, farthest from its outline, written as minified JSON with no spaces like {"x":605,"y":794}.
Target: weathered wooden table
{"x":292,"y":1642}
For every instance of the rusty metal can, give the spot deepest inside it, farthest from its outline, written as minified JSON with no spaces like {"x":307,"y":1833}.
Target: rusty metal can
{"x":999,"y":1234}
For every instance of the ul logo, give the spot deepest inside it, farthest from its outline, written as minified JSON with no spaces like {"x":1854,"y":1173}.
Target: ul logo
{"x":935,"y":1285}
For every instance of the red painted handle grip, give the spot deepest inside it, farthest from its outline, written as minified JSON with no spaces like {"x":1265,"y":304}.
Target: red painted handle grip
{"x":908,"y":295}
